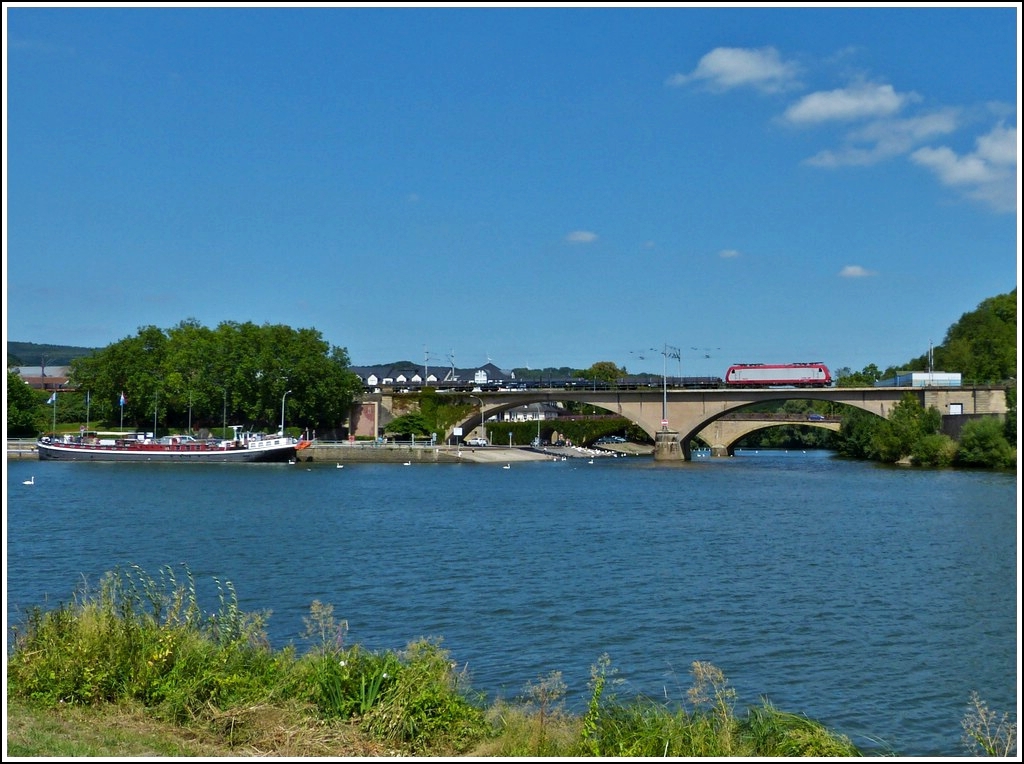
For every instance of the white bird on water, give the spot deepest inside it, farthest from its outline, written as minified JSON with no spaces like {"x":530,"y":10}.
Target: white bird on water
{"x":407,"y":463}
{"x":340,"y":466}
{"x":507,"y":467}
{"x":30,"y":481}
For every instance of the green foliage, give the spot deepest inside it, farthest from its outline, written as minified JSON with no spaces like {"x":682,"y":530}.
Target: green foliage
{"x":709,"y":727}
{"x":603,"y":371}
{"x":771,"y":732}
{"x":982,"y":444}
{"x":424,"y":705}
{"x":408,"y":425}
{"x":1010,"y":423}
{"x":934,"y":450}
{"x":238,"y":373}
{"x":865,"y":378}
{"x":23,"y":407}
{"x":145,"y":640}
{"x":982,"y":344}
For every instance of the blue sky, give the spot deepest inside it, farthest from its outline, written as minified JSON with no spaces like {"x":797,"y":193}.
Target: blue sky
{"x":531,"y":186}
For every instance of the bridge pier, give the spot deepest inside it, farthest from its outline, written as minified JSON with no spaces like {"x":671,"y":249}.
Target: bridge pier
{"x":720,"y":451}
{"x":666,"y":446}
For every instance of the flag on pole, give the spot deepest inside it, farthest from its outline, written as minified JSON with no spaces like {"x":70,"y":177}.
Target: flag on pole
{"x":121,"y":402}
{"x":53,"y":397}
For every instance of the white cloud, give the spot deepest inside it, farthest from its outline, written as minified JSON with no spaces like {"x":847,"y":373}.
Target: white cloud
{"x":860,"y":101}
{"x":581,"y":237}
{"x":855,"y":272}
{"x":886,"y":138}
{"x":988,"y":174}
{"x":727,"y":68}
{"x":727,"y":253}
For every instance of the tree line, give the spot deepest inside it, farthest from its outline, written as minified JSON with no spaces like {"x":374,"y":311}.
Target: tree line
{"x":193,"y":377}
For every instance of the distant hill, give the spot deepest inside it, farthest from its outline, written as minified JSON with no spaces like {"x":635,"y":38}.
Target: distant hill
{"x":33,"y":354}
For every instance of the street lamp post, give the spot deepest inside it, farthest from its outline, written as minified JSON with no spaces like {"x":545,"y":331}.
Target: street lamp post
{"x":675,"y":353}
{"x":282,"y":411}
{"x":481,"y":415}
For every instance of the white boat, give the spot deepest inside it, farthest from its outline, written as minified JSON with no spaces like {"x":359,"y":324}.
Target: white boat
{"x":241,"y":447}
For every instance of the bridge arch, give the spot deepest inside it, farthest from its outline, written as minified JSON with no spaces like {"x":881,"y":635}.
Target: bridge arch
{"x":722,"y":435}
{"x":688,"y":412}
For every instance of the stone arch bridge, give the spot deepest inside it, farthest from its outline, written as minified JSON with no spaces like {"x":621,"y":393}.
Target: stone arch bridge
{"x":673,"y":418}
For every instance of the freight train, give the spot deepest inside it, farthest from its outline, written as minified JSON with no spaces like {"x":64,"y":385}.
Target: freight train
{"x":740,"y":375}
{"x":814,"y":374}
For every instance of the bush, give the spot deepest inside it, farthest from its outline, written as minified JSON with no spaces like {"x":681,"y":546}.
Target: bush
{"x":708,"y":728}
{"x":982,"y":445}
{"x":935,"y":450}
{"x":424,"y":704}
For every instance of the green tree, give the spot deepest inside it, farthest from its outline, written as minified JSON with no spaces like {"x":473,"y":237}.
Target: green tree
{"x":242,"y":373}
{"x":899,"y":435}
{"x":23,"y":407}
{"x":603,"y":371}
{"x":981,"y":345}
{"x":407,"y":425}
{"x":982,"y":445}
{"x":935,"y":450}
{"x":867,"y":377}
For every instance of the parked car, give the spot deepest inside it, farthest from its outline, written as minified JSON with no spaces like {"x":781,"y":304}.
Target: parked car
{"x":476,"y":442}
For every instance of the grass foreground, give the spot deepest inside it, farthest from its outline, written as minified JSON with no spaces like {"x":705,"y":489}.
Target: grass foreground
{"x":135,"y":669}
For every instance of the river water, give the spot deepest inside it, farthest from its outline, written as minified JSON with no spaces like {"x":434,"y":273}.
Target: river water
{"x":872,"y":599}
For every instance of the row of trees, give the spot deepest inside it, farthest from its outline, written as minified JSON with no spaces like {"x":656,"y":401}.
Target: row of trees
{"x":193,"y":377}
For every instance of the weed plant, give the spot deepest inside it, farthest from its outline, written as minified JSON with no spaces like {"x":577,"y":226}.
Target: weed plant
{"x":139,"y":642}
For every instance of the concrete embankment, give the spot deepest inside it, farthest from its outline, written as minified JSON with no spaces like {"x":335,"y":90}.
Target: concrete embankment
{"x":397,"y":453}
{"x":343,"y":453}
{"x":22,"y":449}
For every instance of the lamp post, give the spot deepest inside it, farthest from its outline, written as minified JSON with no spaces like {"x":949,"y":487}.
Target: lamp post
{"x":282,"y":411}
{"x":674,"y":352}
{"x":481,"y":415}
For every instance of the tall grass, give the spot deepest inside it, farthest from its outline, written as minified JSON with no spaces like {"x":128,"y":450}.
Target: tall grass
{"x":139,"y":641}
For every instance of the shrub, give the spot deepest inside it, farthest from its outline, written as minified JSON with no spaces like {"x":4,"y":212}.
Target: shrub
{"x":424,"y":704}
{"x":936,"y":450}
{"x":982,"y":445}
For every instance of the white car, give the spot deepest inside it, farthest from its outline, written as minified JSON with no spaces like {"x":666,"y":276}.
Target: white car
{"x":476,"y":442}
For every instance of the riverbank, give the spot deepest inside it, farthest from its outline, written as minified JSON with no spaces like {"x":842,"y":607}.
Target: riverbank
{"x":400,"y":453}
